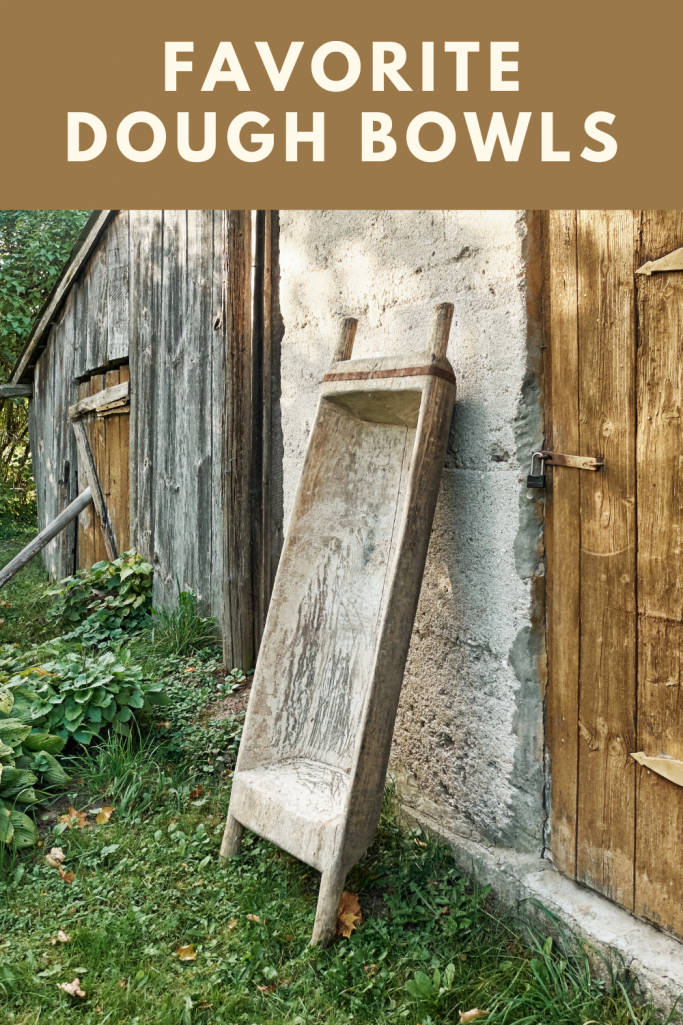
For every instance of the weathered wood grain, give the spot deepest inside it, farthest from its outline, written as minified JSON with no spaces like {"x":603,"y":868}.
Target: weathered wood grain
{"x":146,"y":265}
{"x":563,"y":511}
{"x":117,"y":286}
{"x":46,"y":535}
{"x":238,"y":594}
{"x":659,"y":825}
{"x":16,"y":391}
{"x":313,"y":759}
{"x":101,"y":398}
{"x":607,"y":689}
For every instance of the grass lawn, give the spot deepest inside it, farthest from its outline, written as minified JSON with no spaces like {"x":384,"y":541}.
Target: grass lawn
{"x":157,"y":930}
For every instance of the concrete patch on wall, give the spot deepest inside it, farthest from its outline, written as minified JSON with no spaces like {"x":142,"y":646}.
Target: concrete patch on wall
{"x":468,"y":742}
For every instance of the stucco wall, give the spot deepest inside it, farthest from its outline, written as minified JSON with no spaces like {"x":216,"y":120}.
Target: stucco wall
{"x":468,"y":749}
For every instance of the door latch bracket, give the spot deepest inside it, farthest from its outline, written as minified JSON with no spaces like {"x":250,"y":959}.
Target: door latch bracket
{"x":577,"y":462}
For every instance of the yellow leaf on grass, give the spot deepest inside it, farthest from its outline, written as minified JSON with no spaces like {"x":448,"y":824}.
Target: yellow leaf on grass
{"x":187,"y":953}
{"x":472,"y":1015}
{"x":233,"y":924}
{"x":72,"y":988}
{"x":253,"y":918}
{"x":73,"y":817}
{"x":420,"y":843}
{"x":55,"y":857}
{"x":68,"y":877}
{"x":63,"y":937}
{"x":267,"y":989}
{"x":197,"y":792}
{"x":349,"y":915}
{"x":104,"y":816}
{"x":370,"y":969}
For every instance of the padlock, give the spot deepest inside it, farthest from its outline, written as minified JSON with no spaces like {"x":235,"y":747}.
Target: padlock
{"x":536,"y":480}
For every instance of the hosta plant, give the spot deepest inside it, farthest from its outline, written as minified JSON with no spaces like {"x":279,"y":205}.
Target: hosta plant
{"x":105,"y":602}
{"x":79,"y":695}
{"x":27,"y":758}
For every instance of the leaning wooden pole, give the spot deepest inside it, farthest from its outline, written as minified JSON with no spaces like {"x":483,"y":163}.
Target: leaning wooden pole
{"x":63,"y":520}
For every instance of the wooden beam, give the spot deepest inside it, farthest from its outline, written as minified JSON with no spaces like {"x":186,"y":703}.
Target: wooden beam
{"x":116,"y":393}
{"x":45,"y":536}
{"x":56,"y":300}
{"x":98,"y":501}
{"x":16,"y":391}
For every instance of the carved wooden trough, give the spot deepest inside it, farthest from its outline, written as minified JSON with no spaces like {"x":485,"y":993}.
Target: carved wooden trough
{"x":317,"y":736}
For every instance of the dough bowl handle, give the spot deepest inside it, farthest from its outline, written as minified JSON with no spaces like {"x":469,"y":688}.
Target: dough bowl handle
{"x":441,"y":327}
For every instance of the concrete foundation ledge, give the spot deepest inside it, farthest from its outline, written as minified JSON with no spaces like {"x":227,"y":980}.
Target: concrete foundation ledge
{"x":653,"y":957}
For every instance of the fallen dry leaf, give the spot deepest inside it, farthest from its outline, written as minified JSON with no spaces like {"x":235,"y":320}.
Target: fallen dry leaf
{"x":233,"y":924}
{"x":98,"y":1009}
{"x":68,"y":877}
{"x":104,"y":815}
{"x":72,"y":988}
{"x":55,"y":857}
{"x":190,"y":669}
{"x":253,"y":918}
{"x":204,"y":1006}
{"x":195,"y":885}
{"x":288,"y":939}
{"x":122,"y":983}
{"x":349,"y":915}
{"x":420,"y":843}
{"x":164,"y":724}
{"x":63,"y":937}
{"x":446,"y":910}
{"x":80,"y":818}
{"x":370,"y":969}
{"x":187,"y":953}
{"x":197,"y":792}
{"x":472,"y":1015}
{"x":267,"y":989}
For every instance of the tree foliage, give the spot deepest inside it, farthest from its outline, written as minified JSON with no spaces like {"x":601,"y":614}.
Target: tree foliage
{"x":34,"y":246}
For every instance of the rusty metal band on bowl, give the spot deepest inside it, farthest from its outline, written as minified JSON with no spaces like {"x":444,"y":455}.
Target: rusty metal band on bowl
{"x":369,"y":375}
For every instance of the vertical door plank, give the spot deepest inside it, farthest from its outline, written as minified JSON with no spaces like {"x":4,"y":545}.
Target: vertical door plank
{"x":95,"y":430}
{"x":659,"y":829}
{"x":564,"y":541}
{"x":607,"y":684}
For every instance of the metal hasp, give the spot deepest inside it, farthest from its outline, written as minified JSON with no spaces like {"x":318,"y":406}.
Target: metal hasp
{"x":577,"y":462}
{"x":314,"y":752}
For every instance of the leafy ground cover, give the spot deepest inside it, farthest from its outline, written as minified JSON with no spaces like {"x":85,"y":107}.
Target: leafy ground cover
{"x":124,"y":913}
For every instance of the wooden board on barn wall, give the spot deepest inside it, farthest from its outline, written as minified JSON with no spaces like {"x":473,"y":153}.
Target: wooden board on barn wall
{"x":55,"y":461}
{"x":185,"y":499}
{"x":659,"y":827}
{"x":109,"y":442}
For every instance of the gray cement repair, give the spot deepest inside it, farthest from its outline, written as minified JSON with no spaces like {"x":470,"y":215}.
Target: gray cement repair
{"x":468,"y":746}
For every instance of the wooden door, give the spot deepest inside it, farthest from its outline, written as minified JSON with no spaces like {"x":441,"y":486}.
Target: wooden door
{"x":615,"y":588}
{"x":108,"y":434}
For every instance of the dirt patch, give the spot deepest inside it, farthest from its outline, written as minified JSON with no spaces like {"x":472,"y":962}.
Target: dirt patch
{"x":232,"y":706}
{"x":372,"y":904}
{"x":78,"y":798}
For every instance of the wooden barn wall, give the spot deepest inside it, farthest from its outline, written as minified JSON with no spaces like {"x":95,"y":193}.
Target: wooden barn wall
{"x":177,"y":385}
{"x":152,"y":295}
{"x":53,"y":444}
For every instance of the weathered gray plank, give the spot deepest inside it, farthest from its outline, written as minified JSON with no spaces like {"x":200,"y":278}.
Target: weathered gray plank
{"x":97,"y":322}
{"x":16,"y":391}
{"x":146,"y":241}
{"x":217,"y":398}
{"x":238,"y":607}
{"x":118,"y":263}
